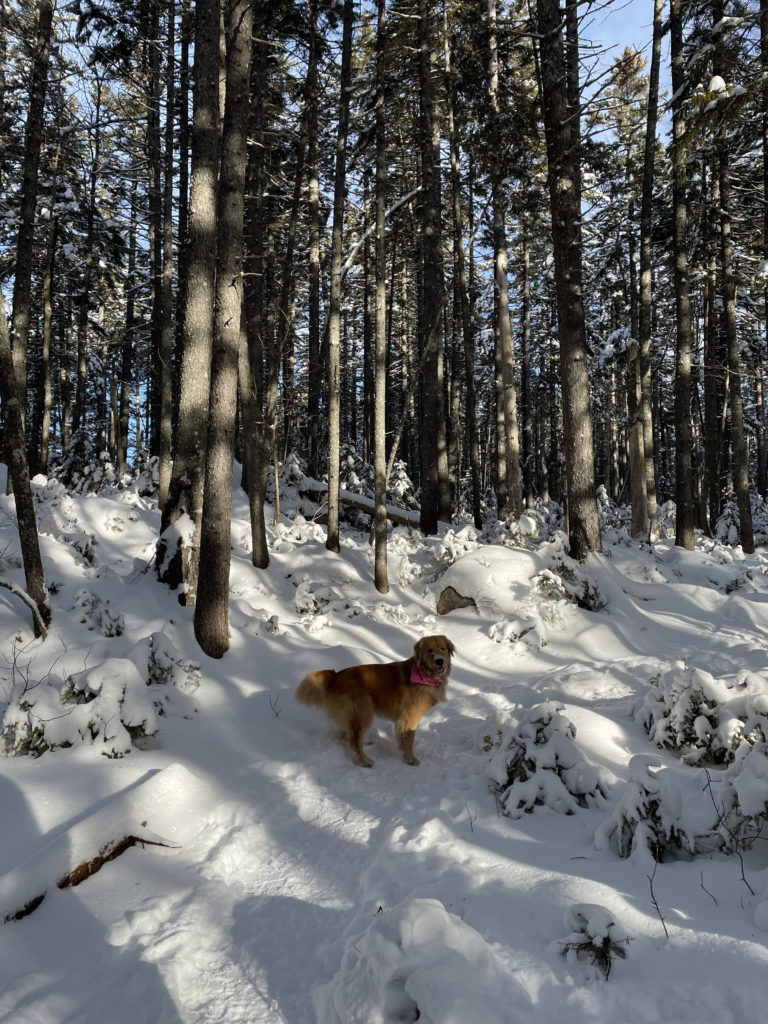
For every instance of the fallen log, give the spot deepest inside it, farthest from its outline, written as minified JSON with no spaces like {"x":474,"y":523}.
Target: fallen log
{"x":399,"y":516}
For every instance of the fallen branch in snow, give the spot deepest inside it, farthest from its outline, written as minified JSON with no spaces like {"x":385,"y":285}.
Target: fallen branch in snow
{"x":108,"y":852}
{"x":82,"y":849}
{"x":24,"y":596}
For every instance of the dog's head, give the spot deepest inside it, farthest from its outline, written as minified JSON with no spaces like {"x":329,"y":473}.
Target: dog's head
{"x":433,"y":654}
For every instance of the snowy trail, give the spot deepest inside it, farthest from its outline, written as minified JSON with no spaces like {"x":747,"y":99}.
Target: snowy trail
{"x":308,"y":890}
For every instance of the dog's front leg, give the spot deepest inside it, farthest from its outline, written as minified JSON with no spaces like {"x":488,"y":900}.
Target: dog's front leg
{"x":405,"y":741}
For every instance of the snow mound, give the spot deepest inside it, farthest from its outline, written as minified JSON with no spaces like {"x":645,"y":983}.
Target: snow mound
{"x":420,"y":962}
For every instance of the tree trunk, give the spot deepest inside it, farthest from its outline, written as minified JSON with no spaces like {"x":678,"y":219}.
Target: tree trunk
{"x":380,"y":325}
{"x":166,"y":282}
{"x":564,"y":175}
{"x":433,"y":453}
{"x":646,"y":218}
{"x":19,"y":474}
{"x":185,"y":495}
{"x":314,"y":381}
{"x":461,"y":288}
{"x":684,"y":532}
{"x":334,"y":311}
{"x":212,"y":607}
{"x":513,"y":488}
{"x":22,"y":282}
{"x":738,"y":439}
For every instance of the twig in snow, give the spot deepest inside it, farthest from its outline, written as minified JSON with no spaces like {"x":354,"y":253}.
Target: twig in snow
{"x":706,"y":890}
{"x":472,"y":818}
{"x":655,"y":902}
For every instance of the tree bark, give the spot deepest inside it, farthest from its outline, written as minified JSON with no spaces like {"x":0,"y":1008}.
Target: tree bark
{"x":212,"y":608}
{"x":22,"y":282}
{"x":380,"y":324}
{"x":434,"y":459}
{"x":564,"y":176}
{"x":684,"y":531}
{"x":334,"y":310}
{"x":19,"y":474}
{"x":185,"y":495}
{"x":513,"y":489}
{"x":740,"y":457}
{"x":646,"y":219}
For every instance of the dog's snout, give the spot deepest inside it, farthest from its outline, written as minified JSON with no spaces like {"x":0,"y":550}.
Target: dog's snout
{"x":439,"y":660}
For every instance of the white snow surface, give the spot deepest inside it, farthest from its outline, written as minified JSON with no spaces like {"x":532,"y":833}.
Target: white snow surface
{"x":297,"y":887}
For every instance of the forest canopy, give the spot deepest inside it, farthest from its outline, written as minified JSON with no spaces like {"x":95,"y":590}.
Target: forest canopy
{"x":455,"y":249}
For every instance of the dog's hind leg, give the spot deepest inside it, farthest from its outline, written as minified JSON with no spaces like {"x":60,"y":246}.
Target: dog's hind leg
{"x":358,"y":724}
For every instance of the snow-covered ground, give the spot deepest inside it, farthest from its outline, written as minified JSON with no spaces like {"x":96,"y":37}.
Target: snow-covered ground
{"x":298,"y":887}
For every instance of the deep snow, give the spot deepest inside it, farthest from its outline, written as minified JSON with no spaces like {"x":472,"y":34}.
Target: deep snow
{"x":303,"y":888}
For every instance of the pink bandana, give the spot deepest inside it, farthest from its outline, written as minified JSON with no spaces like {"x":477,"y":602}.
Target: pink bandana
{"x":418,"y":675}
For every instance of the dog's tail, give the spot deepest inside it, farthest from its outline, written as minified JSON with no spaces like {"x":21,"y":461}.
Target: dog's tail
{"x":311,"y":690}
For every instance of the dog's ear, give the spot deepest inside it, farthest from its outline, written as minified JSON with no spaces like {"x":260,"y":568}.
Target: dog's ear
{"x":418,"y":650}
{"x":451,"y":647}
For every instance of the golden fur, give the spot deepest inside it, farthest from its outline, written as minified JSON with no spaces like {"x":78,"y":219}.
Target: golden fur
{"x":354,"y":696}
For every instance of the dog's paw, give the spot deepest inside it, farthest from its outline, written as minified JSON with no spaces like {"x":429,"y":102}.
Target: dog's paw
{"x":411,"y":759}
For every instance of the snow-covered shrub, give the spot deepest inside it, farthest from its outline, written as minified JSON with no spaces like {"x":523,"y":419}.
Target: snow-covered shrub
{"x":571,"y":574}
{"x":83,"y":470}
{"x":90,"y":610}
{"x":615,"y":520}
{"x":727,"y":525}
{"x":667,"y":519}
{"x":539,"y":764}
{"x":107,"y":705}
{"x":400,"y":491}
{"x":513,"y":631}
{"x":594,"y":935}
{"x":649,"y":816}
{"x":689,"y":710}
{"x":743,"y":815}
{"x":147,"y":475}
{"x":313,"y":599}
{"x":456,"y":543}
{"x":418,"y":961}
{"x":165,"y":664}
{"x":759,"y":519}
{"x":402,"y":544}
{"x":112,"y":705}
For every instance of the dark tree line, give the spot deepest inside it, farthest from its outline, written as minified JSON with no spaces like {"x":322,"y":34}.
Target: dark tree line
{"x":447,"y":235}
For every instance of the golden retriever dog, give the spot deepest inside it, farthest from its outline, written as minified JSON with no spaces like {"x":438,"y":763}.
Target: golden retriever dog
{"x":402,"y":691}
